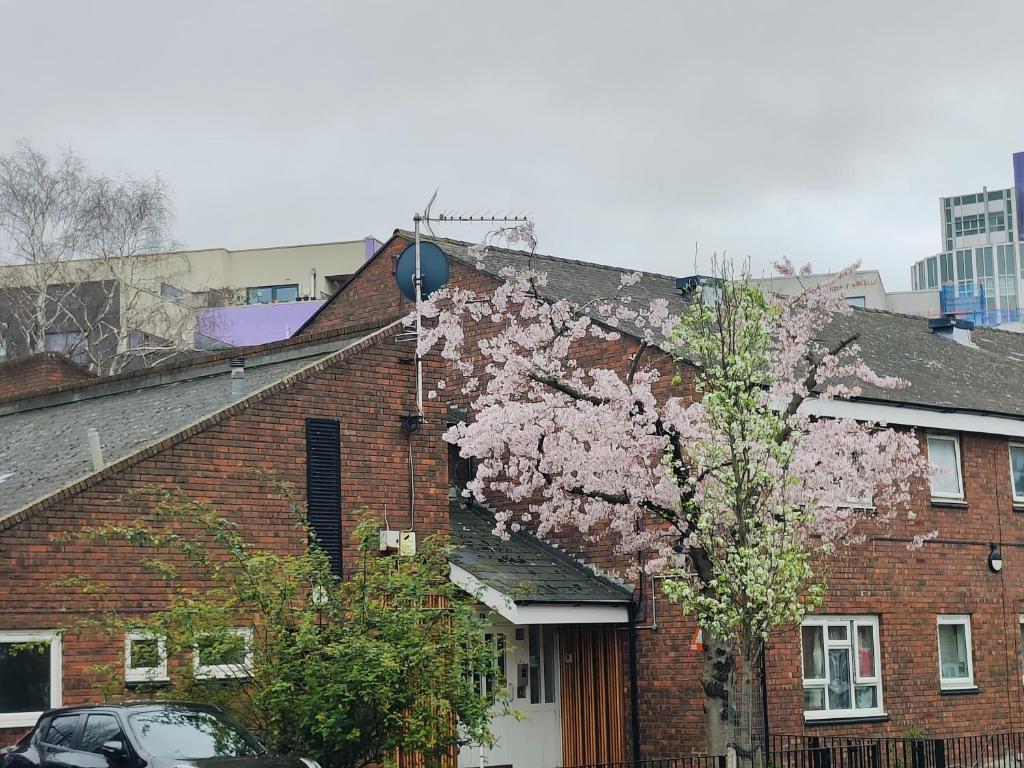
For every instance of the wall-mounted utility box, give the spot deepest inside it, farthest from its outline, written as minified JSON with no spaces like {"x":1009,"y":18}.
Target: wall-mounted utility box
{"x":389,"y":541}
{"x":402,"y":542}
{"x":407,"y":544}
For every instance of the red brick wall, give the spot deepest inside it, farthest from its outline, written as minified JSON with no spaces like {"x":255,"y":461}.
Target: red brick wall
{"x":39,"y":373}
{"x":366,"y":393}
{"x":908,"y":589}
{"x":371,"y":295}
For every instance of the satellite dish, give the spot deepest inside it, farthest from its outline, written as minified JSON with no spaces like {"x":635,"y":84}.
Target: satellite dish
{"x":433,"y":270}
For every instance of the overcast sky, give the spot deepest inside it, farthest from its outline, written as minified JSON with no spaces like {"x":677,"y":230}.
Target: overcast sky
{"x":633,"y":131}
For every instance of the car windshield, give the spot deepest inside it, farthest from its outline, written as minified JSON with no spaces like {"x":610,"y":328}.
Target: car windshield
{"x":191,"y":734}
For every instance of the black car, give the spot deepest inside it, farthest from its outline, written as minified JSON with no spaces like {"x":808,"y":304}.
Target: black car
{"x":136,"y":734}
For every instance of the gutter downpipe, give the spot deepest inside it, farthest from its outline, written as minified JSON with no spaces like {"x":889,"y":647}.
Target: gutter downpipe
{"x":634,"y":693}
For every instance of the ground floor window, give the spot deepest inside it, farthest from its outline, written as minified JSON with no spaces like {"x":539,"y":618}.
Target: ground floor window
{"x":30,"y":676}
{"x":543,"y":664}
{"x":225,"y":655}
{"x":145,"y":658}
{"x":842,"y":674}
{"x":956,"y":669}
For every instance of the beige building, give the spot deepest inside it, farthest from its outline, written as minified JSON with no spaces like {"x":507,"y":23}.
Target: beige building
{"x":864,"y":289}
{"x":266,"y":275}
{"x":109,"y":313}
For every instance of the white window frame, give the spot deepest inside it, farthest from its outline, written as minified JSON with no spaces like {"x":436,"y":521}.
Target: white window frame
{"x":225,"y":671}
{"x":943,"y":495}
{"x":26,"y":719}
{"x":851,"y":623}
{"x":1013,"y":487}
{"x":955,"y":683}
{"x":133,"y":674}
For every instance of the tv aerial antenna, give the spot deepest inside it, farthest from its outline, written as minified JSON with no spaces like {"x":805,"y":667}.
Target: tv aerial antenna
{"x":422,"y":268}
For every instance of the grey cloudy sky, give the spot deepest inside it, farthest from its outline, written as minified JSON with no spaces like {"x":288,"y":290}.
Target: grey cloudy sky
{"x":822,"y":130}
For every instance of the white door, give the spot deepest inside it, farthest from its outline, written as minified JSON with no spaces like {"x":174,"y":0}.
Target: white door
{"x":527,"y":673}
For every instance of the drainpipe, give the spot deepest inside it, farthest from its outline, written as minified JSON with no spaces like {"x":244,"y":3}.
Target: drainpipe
{"x":634,"y":693}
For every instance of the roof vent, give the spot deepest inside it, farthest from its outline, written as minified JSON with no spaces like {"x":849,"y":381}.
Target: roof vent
{"x":238,"y":387}
{"x":95,"y":450}
{"x":953,"y":328}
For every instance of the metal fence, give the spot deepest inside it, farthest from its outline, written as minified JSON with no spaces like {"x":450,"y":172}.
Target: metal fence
{"x":997,"y":750}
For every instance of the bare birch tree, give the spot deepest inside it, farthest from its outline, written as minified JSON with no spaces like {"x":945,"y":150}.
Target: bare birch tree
{"x":83,"y":260}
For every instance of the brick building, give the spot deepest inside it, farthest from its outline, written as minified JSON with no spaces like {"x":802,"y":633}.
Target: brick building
{"x":907,"y":640}
{"x":925,"y":639}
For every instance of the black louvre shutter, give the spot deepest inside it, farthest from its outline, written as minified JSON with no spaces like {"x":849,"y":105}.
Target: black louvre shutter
{"x":323,"y":486}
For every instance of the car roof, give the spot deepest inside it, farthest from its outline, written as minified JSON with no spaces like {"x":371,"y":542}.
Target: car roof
{"x":140,"y":704}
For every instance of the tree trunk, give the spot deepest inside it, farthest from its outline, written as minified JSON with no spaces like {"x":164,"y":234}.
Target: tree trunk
{"x":719,"y":676}
{"x":744,"y":735}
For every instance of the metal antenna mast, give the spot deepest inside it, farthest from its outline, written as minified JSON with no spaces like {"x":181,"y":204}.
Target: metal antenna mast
{"x":446,"y":218}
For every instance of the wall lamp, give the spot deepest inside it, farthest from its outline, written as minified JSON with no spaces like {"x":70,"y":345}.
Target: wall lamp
{"x":995,"y":558}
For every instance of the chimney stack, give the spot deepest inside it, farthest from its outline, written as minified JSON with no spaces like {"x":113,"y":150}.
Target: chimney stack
{"x":238,"y":388}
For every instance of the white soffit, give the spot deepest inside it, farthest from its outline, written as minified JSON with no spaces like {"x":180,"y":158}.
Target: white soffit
{"x":952,"y":421}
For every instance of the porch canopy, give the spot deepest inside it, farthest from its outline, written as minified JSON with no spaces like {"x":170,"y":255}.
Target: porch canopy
{"x":526,"y":580}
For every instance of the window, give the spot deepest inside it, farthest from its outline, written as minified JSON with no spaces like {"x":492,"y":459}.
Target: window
{"x":497,"y":680}
{"x":1006,"y":267}
{"x":933,"y":274}
{"x":228,"y":655}
{"x":145,"y":658}
{"x":1017,"y":471}
{"x":30,"y":672}
{"x":842,"y":674}
{"x":61,"y":731}
{"x":956,"y":672}
{"x":986,"y":275}
{"x":543,"y":667}
{"x":965,"y":272}
{"x":944,"y":453}
{"x":1021,"y":620}
{"x":973,"y":224}
{"x":69,"y":344}
{"x":273,"y":294}
{"x":946,"y":276}
{"x":857,"y":301}
{"x":172,"y":292}
{"x":996,"y":221}
{"x":99,"y":729}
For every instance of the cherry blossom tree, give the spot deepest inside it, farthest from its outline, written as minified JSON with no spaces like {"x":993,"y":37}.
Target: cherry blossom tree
{"x":689,"y":453}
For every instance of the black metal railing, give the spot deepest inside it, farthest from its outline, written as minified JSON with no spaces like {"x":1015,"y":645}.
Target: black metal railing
{"x":995,"y":750}
{"x":690,"y":761}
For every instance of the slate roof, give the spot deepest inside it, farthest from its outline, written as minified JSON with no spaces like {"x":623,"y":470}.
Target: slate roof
{"x":579,"y":281}
{"x":524,"y":568}
{"x":942,"y":373}
{"x":43,"y":442}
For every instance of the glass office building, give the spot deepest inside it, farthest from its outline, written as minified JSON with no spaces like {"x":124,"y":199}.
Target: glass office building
{"x":980,"y":271}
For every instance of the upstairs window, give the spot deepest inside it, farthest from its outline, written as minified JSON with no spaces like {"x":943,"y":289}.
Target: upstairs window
{"x":944,"y":453}
{"x":956,"y":669}
{"x":273,"y":294}
{"x":842,"y":674}
{"x":1017,"y":471}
